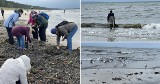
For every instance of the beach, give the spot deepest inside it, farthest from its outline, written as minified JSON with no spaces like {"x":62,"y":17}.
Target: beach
{"x":49,"y":65}
{"x":56,"y":16}
{"x":120,"y":65}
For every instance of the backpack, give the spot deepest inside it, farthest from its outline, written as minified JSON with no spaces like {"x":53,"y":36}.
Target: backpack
{"x":46,"y":16}
{"x":62,"y":23}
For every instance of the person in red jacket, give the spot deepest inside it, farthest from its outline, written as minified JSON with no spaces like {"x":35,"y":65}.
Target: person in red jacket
{"x":32,"y":22}
{"x":20,"y":32}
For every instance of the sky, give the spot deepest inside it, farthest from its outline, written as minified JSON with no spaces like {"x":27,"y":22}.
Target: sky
{"x":51,"y":3}
{"x":116,"y":0}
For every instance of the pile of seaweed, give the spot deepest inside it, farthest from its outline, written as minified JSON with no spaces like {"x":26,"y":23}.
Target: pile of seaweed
{"x":49,"y":65}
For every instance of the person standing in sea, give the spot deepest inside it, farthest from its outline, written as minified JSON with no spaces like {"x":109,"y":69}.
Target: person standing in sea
{"x":111,"y":19}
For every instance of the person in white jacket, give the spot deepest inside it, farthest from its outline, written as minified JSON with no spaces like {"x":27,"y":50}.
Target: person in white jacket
{"x":10,"y":22}
{"x":14,"y":70}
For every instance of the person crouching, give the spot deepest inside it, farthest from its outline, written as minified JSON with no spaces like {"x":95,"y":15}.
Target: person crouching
{"x":20,"y":32}
{"x":14,"y":71}
{"x":66,"y":31}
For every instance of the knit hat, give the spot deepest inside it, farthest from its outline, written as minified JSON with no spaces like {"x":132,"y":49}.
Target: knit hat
{"x":54,"y":30}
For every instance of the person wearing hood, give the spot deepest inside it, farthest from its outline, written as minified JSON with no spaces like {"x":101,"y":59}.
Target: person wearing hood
{"x":66,"y":31}
{"x":111,"y":19}
{"x":14,"y":71}
{"x":42,"y":24}
{"x":32,"y":21}
{"x":19,"y":32}
{"x":10,"y":22}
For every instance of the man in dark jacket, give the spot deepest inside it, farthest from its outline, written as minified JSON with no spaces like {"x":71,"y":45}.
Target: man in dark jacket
{"x":66,"y":31}
{"x":111,"y":19}
{"x":42,"y":24}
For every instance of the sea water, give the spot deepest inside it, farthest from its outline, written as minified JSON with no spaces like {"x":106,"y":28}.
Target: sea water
{"x":144,"y":13}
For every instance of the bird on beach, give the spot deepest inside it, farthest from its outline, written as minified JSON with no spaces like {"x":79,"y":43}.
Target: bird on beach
{"x":115,"y":65}
{"x":145,"y":65}
{"x":100,"y":59}
{"x":92,"y":61}
{"x":124,"y":64}
{"x":154,"y":67}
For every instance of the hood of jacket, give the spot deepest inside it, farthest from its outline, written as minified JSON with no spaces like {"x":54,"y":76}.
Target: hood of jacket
{"x":26,"y":62}
{"x":16,"y":11}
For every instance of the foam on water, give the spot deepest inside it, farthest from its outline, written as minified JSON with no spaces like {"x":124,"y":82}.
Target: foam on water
{"x":152,"y":26}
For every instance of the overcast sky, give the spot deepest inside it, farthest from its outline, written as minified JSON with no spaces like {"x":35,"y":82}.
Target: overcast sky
{"x":116,"y":0}
{"x":51,"y":3}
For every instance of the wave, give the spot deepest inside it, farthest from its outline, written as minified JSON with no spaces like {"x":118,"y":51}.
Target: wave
{"x":152,"y":26}
{"x":100,"y":25}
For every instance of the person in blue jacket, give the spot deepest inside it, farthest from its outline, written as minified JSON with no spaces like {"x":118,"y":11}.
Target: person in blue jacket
{"x":9,"y":23}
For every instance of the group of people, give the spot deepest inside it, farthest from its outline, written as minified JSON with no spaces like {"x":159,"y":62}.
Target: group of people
{"x":39,"y":24}
{"x":14,"y":71}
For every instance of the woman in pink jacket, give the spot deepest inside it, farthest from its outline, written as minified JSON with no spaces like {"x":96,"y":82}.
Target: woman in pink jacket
{"x":32,"y":21}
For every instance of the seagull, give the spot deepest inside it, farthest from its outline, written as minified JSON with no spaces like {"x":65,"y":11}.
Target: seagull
{"x":115,"y":65}
{"x":124,"y":64}
{"x":154,"y":67}
{"x":145,"y":66}
{"x":92,"y":61}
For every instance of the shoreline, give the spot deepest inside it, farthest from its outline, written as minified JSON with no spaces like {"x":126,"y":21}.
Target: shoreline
{"x":100,"y":25}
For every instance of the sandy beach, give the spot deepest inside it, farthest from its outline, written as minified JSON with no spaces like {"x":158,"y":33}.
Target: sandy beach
{"x":49,"y":65}
{"x":56,"y":16}
{"x":104,"y":65}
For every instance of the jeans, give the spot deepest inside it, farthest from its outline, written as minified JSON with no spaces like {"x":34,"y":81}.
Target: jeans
{"x":20,"y":42}
{"x":42,"y":33}
{"x":11,"y":40}
{"x":69,"y":38}
{"x":35,"y":32}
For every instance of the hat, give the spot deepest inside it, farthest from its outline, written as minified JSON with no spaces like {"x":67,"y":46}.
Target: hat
{"x":53,"y":31}
{"x":20,"y":10}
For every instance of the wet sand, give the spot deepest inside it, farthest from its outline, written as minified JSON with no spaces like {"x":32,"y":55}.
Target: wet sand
{"x":49,"y":65}
{"x":102,"y":65}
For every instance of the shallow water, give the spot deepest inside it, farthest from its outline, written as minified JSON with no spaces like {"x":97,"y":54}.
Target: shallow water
{"x":125,"y":13}
{"x":120,"y":34}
